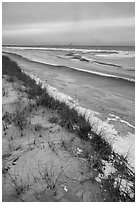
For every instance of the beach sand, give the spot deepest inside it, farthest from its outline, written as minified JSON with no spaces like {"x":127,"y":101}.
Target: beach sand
{"x":113,"y":99}
{"x":43,"y":161}
{"x":46,"y":162}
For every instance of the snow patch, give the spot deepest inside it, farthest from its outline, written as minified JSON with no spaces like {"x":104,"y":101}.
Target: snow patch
{"x":107,"y":131}
{"x":116,"y":118}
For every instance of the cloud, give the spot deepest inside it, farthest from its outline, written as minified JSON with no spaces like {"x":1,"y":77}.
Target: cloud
{"x":65,"y":22}
{"x":37,"y":28}
{"x":61,"y":27}
{"x":118,"y":30}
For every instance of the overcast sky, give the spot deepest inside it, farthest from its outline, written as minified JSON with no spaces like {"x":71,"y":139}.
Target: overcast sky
{"x":64,"y":23}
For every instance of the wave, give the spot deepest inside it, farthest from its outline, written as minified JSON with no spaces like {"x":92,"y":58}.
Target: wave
{"x":74,"y":56}
{"x":114,"y":65}
{"x":116,"y":118}
{"x":74,"y":68}
{"x":103,"y":52}
{"x":109,"y":64}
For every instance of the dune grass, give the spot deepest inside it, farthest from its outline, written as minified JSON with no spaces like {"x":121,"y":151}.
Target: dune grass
{"x":11,"y":69}
{"x":73,"y":122}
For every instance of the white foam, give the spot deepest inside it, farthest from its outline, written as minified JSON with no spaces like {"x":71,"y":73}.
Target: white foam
{"x":82,"y":50}
{"x":116,"y":118}
{"x":74,"y":68}
{"x":127,"y":123}
{"x":107,"y":131}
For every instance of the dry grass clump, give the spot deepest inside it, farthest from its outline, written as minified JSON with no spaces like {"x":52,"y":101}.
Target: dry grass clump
{"x":11,"y":69}
{"x":53,"y":119}
{"x":73,"y":122}
{"x":19,"y":185}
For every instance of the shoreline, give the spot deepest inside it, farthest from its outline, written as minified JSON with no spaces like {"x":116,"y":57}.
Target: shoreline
{"x":122,"y":125}
{"x":69,"y":81}
{"x":75,"y":118}
{"x":113,"y":76}
{"x":109,"y":133}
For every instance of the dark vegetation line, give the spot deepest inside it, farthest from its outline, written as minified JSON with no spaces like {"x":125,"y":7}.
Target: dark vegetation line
{"x":77,"y":124}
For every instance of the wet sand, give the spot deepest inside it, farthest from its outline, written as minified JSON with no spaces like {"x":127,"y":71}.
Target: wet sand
{"x":102,"y":94}
{"x":116,"y":67}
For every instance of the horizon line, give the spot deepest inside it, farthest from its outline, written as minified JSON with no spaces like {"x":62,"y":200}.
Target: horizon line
{"x":68,"y":45}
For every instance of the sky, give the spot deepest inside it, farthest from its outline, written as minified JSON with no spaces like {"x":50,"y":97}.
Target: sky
{"x":98,"y":24}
